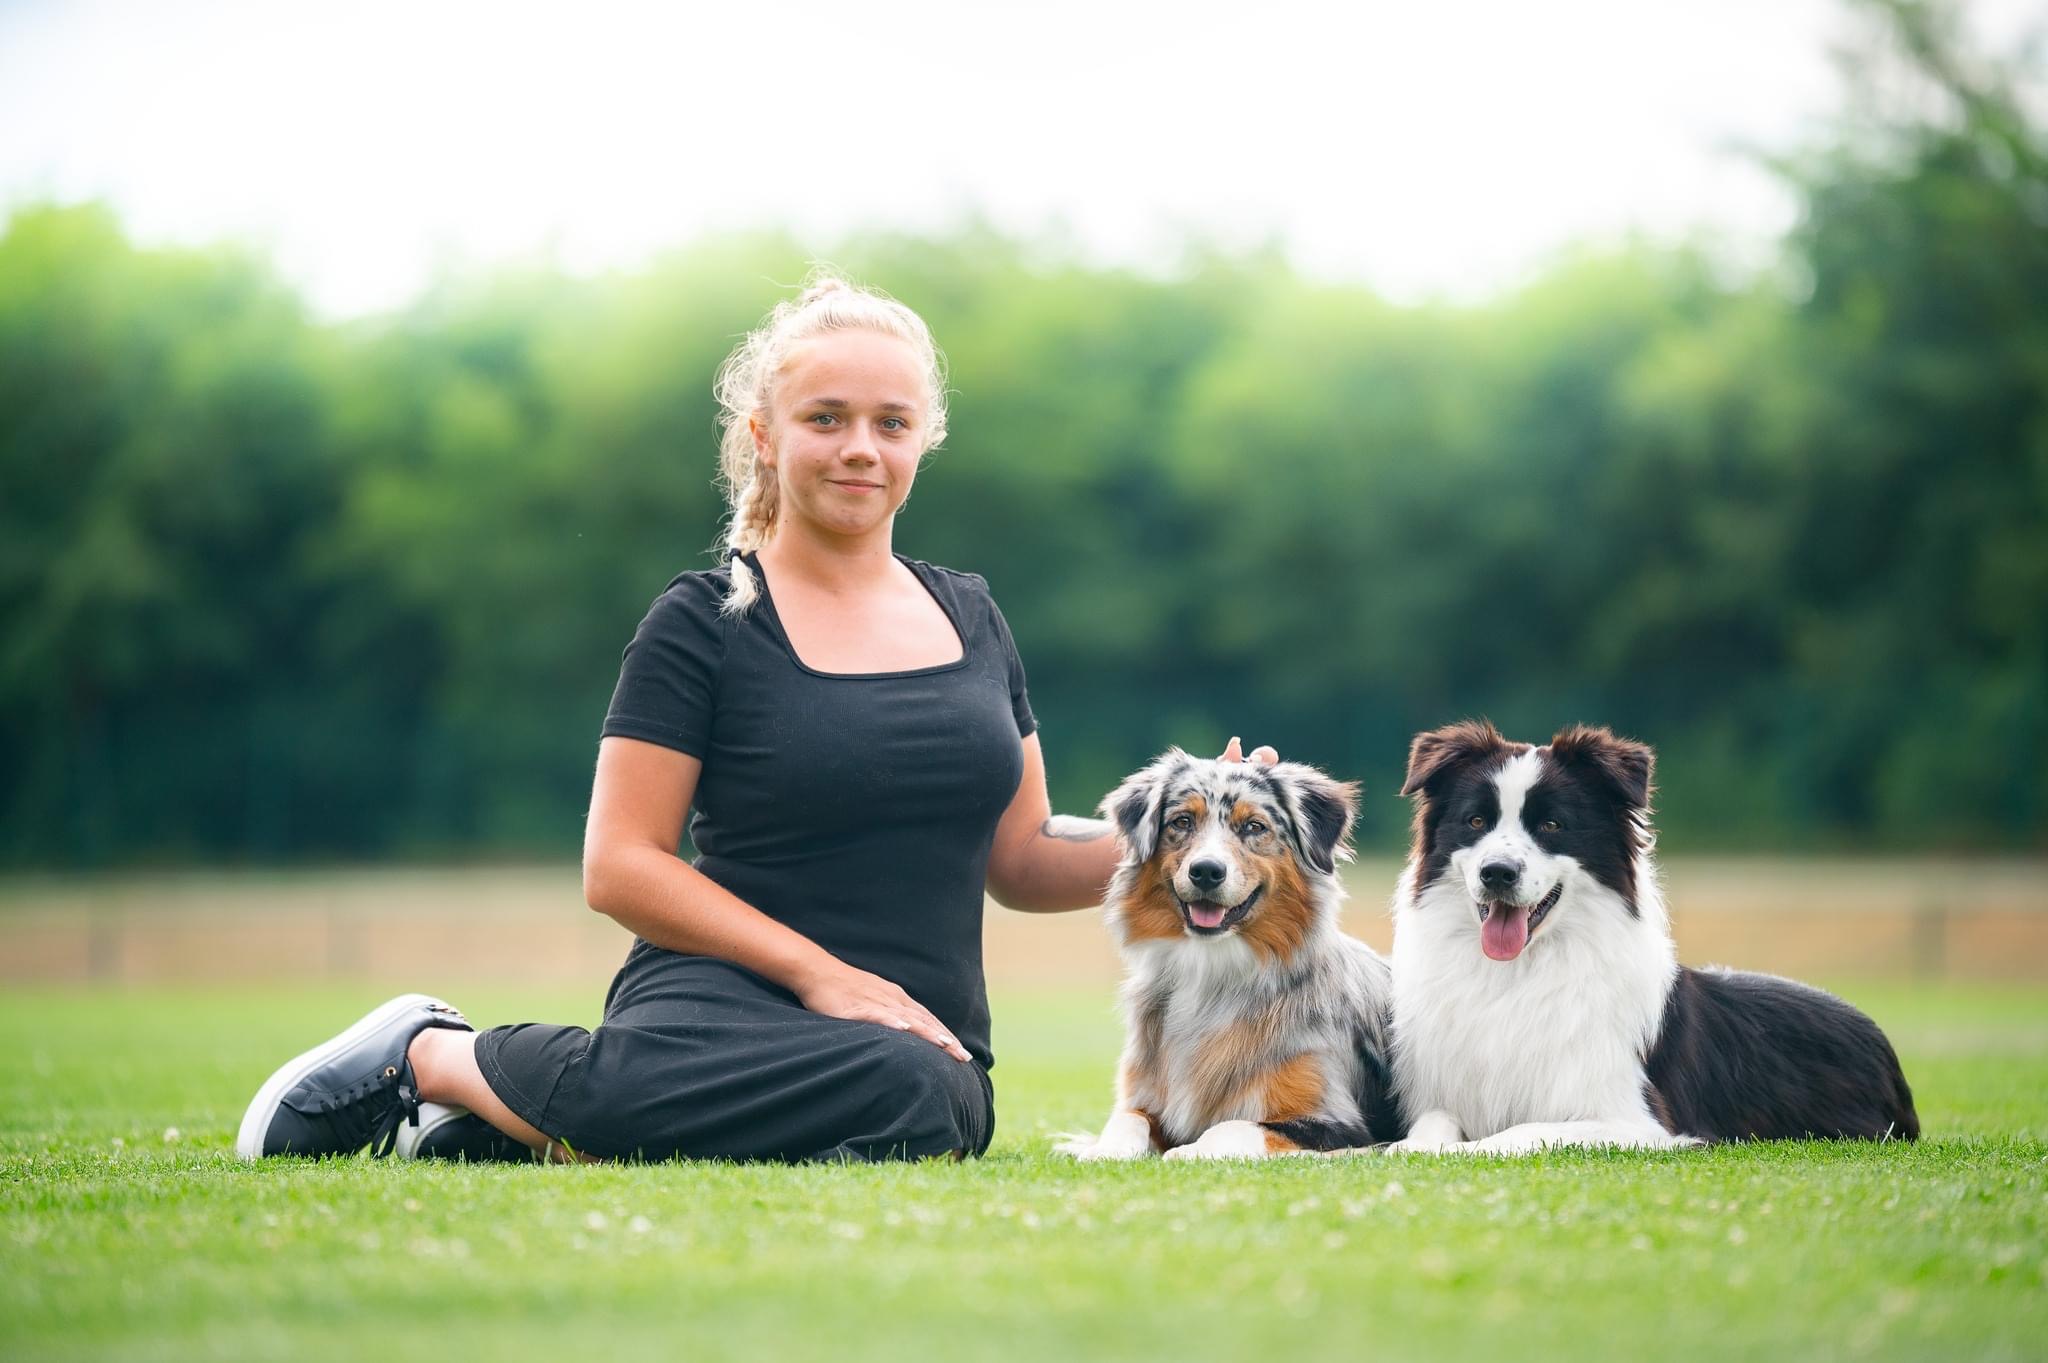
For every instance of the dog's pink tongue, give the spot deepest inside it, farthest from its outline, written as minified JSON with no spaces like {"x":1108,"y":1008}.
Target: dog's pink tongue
{"x":1505,"y":931}
{"x":1207,"y":915}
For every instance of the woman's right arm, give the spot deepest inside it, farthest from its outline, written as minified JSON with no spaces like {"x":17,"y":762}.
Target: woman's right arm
{"x":631,"y":872}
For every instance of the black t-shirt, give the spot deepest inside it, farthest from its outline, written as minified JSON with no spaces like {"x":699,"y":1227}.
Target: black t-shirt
{"x":857,"y":809}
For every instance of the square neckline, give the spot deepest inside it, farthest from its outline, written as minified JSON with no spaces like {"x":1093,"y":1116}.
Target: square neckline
{"x":781,"y":632}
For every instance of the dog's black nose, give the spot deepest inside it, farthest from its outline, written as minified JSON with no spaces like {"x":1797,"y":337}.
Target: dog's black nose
{"x":1499,"y":875}
{"x":1207,"y":875}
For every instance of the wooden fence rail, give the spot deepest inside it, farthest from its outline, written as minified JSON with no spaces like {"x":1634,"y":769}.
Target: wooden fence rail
{"x":1968,"y":920}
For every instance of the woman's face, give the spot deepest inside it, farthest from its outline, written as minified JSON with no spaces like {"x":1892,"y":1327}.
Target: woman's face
{"x":845,"y":432}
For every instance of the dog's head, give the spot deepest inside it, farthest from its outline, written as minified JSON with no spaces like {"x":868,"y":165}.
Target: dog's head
{"x":1215,"y":849}
{"x":1526,"y":835}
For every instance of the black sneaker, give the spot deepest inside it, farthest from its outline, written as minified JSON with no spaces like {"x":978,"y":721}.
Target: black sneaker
{"x":455,"y":1133}
{"x":345,"y":1093}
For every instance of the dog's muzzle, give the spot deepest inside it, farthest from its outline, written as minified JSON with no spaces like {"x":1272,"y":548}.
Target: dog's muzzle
{"x":1207,"y":918}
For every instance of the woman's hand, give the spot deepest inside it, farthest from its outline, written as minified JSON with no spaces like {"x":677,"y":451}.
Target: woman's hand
{"x":1233,"y":751}
{"x":846,"y":992}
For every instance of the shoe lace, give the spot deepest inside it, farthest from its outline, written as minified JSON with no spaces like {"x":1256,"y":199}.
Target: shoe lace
{"x":384,"y":1135}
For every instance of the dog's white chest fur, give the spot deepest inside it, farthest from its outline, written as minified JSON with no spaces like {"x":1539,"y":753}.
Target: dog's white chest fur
{"x":1555,"y":1035}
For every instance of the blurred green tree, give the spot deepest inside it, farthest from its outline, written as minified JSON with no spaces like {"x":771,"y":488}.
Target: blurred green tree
{"x":271,"y":588}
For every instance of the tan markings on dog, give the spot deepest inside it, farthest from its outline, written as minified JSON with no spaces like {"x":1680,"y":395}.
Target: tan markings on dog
{"x":1153,"y":914}
{"x":1242,"y":811}
{"x":1139,"y":1082}
{"x":1195,"y":807}
{"x":1228,"y":1061}
{"x":1139,"y":1090}
{"x":1294,"y":1090}
{"x":1279,"y":926}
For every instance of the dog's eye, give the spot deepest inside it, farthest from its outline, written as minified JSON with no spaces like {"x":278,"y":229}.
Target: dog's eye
{"x":1252,"y":828}
{"x":1477,"y":821}
{"x":1181,"y":823}
{"x":1550,"y":826}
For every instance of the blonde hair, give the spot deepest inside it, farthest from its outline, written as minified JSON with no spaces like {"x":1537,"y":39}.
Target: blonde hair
{"x":746,"y":390}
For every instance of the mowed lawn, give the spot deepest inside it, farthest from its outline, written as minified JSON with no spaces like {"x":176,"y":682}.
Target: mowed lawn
{"x":127,"y":1229}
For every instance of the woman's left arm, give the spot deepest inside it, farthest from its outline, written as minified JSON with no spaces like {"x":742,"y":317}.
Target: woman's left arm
{"x":1035,"y":870}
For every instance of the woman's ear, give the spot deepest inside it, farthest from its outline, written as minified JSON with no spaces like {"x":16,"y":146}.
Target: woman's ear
{"x":764,"y":444}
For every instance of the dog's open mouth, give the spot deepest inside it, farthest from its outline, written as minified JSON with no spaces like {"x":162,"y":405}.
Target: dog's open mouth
{"x":1504,"y":928}
{"x":1205,"y":918}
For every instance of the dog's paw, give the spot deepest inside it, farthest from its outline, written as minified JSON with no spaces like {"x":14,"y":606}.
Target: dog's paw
{"x":1127,"y":1135}
{"x":1074,"y":1144}
{"x":1079,"y":1145}
{"x":1225,"y":1140}
{"x":1412,"y":1146}
{"x":1432,"y":1133}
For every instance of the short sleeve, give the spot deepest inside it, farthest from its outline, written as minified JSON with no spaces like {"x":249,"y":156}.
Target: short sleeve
{"x":668,"y":682}
{"x":1020,"y":698}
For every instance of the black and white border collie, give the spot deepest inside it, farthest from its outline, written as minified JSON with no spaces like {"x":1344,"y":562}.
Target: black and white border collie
{"x":1537,"y":997}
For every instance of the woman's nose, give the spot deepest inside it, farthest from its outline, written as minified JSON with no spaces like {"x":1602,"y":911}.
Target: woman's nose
{"x":860,"y":443}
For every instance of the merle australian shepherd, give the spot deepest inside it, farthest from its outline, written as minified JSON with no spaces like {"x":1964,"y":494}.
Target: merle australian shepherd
{"x":1252,"y":1025}
{"x":1537,"y":998}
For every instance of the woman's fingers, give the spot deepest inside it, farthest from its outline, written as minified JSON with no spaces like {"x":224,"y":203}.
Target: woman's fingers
{"x":934,"y":1031}
{"x":905,"y":1014}
{"x":862,"y":997}
{"x":1233,"y":751}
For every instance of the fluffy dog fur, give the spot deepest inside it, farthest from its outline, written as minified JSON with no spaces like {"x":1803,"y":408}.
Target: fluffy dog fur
{"x":1537,"y":997}
{"x":1252,"y":1025}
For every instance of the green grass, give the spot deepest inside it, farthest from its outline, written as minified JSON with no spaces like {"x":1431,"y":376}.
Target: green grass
{"x":117,"y":1241}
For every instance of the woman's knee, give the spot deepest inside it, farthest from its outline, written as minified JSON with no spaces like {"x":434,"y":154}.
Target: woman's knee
{"x":938,"y":1104}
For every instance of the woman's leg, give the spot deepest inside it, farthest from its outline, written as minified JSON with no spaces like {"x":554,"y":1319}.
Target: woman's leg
{"x":700,"y":1059}
{"x":444,"y":1067}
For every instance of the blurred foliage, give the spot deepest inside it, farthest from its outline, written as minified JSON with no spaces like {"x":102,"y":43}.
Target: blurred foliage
{"x":275,"y":589}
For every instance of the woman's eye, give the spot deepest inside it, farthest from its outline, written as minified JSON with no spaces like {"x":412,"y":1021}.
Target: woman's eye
{"x":1550,"y":826}
{"x":823,"y":419}
{"x":1181,"y":823}
{"x":1477,"y":821}
{"x":895,"y":423}
{"x":1252,"y":828}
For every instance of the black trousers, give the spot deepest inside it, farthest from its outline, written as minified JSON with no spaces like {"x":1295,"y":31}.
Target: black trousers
{"x":702,"y":1059}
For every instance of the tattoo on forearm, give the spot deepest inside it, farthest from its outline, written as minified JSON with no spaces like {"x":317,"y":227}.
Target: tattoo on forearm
{"x":1069,"y":828}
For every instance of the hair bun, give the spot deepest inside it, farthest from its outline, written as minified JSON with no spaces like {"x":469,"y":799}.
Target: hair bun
{"x":830,"y":284}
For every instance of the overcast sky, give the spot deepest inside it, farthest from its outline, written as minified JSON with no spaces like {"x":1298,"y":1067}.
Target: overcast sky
{"x":1426,"y":148}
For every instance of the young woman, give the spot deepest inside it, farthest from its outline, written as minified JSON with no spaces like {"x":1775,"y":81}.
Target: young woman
{"x":849,"y":732}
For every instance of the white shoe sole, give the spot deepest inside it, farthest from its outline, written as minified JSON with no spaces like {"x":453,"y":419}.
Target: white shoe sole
{"x":256,"y":1121}
{"x":433,"y":1116}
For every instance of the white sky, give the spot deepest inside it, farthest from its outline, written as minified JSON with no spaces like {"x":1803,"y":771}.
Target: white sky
{"x":1427,"y":148}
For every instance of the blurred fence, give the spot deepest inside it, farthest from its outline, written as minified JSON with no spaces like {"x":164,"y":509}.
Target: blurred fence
{"x":1854,"y":918}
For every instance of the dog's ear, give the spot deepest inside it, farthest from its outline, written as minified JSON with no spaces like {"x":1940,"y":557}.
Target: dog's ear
{"x":1623,"y":763}
{"x":1439,"y":752}
{"x":1322,"y":810}
{"x":1134,"y":806}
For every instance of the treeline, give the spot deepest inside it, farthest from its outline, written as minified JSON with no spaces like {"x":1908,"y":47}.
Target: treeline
{"x":277,"y":589}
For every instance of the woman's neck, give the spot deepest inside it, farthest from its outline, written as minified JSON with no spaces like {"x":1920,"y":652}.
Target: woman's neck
{"x":841,"y":568}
